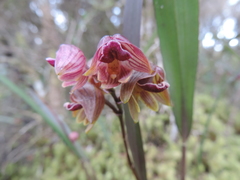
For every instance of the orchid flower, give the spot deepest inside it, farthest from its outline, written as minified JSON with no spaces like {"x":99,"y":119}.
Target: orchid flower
{"x":87,"y":103}
{"x":70,"y":65}
{"x":115,"y":60}
{"x":149,"y":88}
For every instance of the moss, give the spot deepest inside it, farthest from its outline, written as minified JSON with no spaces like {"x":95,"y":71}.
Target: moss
{"x":221,"y":155}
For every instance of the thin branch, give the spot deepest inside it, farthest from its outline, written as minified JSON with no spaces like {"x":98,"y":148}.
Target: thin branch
{"x":117,"y":100}
{"x":111,"y":106}
{"x":126,"y":148}
{"x":120,"y":117}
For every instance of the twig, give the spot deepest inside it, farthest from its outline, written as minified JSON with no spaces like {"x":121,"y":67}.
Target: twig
{"x":126,"y":148}
{"x":120,"y":117}
{"x":116,"y":99}
{"x":111,"y":106}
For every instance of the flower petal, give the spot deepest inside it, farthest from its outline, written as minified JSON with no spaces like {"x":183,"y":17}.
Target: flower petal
{"x":138,"y":60}
{"x":68,"y":83}
{"x":111,"y":79}
{"x":149,"y":100}
{"x":89,"y":127}
{"x":70,"y":64}
{"x":125,"y":74}
{"x":104,"y":41}
{"x":133,"y":108}
{"x":116,"y":37}
{"x":85,"y":122}
{"x":163,"y":97}
{"x":80,"y":82}
{"x":111,"y":83}
{"x":72,"y":76}
{"x":74,"y":113}
{"x":159,"y":74}
{"x":81,"y":116}
{"x":151,"y":87}
{"x":92,"y":100}
{"x":105,"y":78}
{"x":69,"y":59}
{"x":94,"y":64}
{"x":127,"y":88}
{"x":113,"y":50}
{"x":72,"y":106}
{"x":51,"y":61}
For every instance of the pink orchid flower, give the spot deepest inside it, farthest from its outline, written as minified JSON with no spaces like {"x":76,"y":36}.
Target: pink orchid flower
{"x":70,"y":65}
{"x":115,"y":60}
{"x":87,"y":103}
{"x":149,"y":88}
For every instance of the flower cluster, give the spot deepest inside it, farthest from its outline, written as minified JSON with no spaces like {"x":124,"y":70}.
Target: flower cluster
{"x":116,"y":62}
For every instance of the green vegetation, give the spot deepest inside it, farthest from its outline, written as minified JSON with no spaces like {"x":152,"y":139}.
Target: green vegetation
{"x":221,"y":155}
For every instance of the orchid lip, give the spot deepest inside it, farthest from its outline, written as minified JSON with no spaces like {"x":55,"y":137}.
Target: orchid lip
{"x":72,"y":106}
{"x":113,"y":50}
{"x":115,"y":60}
{"x":155,"y":87}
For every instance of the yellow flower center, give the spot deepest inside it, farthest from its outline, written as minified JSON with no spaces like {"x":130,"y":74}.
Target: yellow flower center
{"x":113,"y":68}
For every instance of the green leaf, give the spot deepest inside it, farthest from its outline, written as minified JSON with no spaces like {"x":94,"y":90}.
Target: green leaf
{"x":177,"y":23}
{"x":38,"y":106}
{"x":135,"y":142}
{"x":131,"y":30}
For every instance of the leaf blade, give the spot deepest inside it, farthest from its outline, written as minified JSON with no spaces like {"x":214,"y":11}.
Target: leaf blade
{"x":131,"y":30}
{"x":48,"y":117}
{"x":177,"y":22}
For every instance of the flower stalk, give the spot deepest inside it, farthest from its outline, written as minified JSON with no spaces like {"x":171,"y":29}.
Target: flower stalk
{"x":119,"y":112}
{"x":130,"y":164}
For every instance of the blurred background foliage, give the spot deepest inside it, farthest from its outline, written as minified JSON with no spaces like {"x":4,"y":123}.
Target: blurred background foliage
{"x":32,"y":30}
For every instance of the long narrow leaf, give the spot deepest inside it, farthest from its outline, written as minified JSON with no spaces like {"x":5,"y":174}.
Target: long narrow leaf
{"x":62,"y":124}
{"x":135,"y":143}
{"x":177,"y":22}
{"x":42,"y":110}
{"x":131,"y":30}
